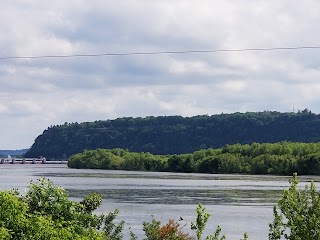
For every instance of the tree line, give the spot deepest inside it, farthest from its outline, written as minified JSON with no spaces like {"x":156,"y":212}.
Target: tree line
{"x":176,"y":134}
{"x":20,"y":152}
{"x":283,"y":158}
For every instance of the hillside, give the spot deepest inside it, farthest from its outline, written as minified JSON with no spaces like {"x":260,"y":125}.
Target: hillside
{"x":176,"y":134}
{"x":18,"y":152}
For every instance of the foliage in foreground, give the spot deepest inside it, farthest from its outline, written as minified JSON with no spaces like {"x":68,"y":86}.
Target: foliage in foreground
{"x":298,"y":214}
{"x":173,"y":231}
{"x":46,"y":212}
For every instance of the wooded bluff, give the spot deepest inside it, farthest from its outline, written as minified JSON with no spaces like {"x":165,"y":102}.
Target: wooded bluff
{"x":176,"y":134}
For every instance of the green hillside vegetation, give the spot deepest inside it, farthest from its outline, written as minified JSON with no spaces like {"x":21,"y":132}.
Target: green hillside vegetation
{"x":176,"y":134}
{"x":283,"y":158}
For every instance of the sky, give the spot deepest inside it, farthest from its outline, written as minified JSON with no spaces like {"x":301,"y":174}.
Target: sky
{"x":38,"y":93}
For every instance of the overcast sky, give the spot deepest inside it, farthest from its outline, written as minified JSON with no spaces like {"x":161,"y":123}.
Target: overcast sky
{"x":38,"y":93}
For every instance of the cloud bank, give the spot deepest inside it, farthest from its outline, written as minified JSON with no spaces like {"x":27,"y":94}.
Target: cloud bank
{"x":37,"y":93}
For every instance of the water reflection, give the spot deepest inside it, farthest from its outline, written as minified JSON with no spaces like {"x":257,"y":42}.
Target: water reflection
{"x":184,"y":196}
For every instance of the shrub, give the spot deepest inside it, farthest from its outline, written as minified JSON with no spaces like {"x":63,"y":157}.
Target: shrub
{"x":297,"y":216}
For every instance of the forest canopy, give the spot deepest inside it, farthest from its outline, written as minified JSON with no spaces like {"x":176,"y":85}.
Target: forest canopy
{"x":283,"y":158}
{"x":176,"y":134}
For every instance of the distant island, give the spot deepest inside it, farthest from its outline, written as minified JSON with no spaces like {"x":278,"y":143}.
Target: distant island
{"x":19,"y":152}
{"x":176,"y":134}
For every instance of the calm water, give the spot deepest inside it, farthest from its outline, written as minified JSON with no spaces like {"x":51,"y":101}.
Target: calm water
{"x":239,"y":203}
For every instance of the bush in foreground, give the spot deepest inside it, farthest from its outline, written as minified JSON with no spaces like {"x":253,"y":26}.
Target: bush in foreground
{"x":46,"y":212}
{"x":298,"y":214}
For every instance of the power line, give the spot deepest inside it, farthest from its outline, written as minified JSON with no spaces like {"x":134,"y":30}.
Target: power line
{"x":161,"y":52}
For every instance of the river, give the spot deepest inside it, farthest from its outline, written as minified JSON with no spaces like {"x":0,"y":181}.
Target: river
{"x":238,"y":203}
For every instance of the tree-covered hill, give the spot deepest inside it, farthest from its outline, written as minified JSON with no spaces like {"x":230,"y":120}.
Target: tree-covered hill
{"x":176,"y":134}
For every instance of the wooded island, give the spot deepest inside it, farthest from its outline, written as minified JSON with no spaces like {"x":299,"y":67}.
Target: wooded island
{"x":284,"y":158}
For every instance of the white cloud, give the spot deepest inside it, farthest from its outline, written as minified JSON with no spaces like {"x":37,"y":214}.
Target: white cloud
{"x":37,"y":93}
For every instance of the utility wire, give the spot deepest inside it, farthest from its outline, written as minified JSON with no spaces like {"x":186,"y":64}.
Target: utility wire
{"x":161,"y":52}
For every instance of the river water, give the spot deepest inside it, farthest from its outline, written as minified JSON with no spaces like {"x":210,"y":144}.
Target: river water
{"x":238,"y":203}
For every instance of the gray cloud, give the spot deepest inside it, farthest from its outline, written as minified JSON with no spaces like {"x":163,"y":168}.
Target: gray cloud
{"x":37,"y":93}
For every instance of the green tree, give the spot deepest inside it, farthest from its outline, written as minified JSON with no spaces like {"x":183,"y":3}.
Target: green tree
{"x":297,"y":216}
{"x":46,"y":212}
